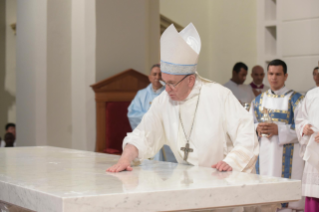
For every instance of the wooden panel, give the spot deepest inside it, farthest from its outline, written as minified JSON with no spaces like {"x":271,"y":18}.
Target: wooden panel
{"x":300,"y":38}
{"x":100,"y":144}
{"x":297,"y":9}
{"x":115,"y":96}
{"x":121,"y":87}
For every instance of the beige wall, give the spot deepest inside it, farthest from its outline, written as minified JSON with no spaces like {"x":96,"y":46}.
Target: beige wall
{"x":7,"y":64}
{"x":127,"y":36}
{"x":227,"y":29}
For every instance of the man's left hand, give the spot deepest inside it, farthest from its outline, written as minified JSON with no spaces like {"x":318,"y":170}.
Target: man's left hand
{"x":317,"y":138}
{"x":222,"y":166}
{"x":269,"y":128}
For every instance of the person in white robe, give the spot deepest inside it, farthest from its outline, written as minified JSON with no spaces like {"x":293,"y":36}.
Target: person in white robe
{"x":141,"y":104}
{"x":279,"y":149}
{"x":257,"y":85}
{"x":315,"y":74}
{"x":307,"y":127}
{"x":236,"y":84}
{"x":201,"y":121}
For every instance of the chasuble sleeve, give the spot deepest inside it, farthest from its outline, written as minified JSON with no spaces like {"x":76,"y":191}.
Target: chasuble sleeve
{"x":241,"y":131}
{"x":148,"y":137}
{"x":301,"y":121}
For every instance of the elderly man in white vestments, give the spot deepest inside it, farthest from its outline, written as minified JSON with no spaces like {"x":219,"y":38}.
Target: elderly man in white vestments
{"x":279,"y":147}
{"x":307,"y":127}
{"x":201,"y":121}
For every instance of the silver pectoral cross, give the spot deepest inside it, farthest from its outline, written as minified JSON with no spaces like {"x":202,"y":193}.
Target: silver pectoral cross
{"x":186,"y":150}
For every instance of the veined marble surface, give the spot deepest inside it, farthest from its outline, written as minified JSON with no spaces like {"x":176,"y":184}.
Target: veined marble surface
{"x":54,"y":179}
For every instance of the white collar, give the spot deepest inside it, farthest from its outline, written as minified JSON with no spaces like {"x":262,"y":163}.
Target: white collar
{"x":281,"y":91}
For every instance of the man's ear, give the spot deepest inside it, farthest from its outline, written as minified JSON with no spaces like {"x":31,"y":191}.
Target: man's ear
{"x":286,"y":76}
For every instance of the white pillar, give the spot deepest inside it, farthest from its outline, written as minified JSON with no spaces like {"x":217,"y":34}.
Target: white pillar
{"x":31,"y":72}
{"x":83,"y":74}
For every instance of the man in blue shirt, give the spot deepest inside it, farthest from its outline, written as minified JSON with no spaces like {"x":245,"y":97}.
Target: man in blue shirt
{"x":142,"y":102}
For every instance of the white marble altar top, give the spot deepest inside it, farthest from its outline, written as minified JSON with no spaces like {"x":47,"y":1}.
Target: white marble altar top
{"x":57,"y":179}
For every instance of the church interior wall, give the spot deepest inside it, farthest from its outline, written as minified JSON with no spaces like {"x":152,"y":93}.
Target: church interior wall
{"x":127,"y":36}
{"x":227,"y":29}
{"x":8,"y":16}
{"x":300,"y":43}
{"x":289,"y":30}
{"x":65,"y":46}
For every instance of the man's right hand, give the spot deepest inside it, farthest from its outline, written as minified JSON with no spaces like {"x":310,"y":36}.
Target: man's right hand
{"x":307,"y":130}
{"x":122,"y":165}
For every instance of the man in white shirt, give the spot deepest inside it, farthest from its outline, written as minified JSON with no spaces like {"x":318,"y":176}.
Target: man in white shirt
{"x":201,"y":121}
{"x":236,"y":84}
{"x":257,"y":85}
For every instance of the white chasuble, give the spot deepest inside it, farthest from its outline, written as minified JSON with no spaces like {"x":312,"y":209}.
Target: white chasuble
{"x":309,"y":114}
{"x":222,"y":129}
{"x":279,"y":155}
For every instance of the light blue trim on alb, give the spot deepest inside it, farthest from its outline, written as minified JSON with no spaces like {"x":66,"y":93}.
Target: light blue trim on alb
{"x":177,"y":69}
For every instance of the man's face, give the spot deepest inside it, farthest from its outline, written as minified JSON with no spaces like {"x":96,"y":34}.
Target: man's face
{"x":11,"y":130}
{"x":155,"y":77}
{"x":276,"y":77}
{"x":316,"y":76}
{"x":258,"y":75}
{"x":182,"y":89}
{"x":241,"y":76}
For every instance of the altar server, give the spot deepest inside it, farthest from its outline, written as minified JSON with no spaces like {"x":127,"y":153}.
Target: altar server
{"x":242,"y":92}
{"x":141,"y":104}
{"x":279,"y":149}
{"x":202,"y":122}
{"x":307,"y":127}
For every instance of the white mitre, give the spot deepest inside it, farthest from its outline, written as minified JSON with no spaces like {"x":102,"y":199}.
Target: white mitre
{"x":180,"y":51}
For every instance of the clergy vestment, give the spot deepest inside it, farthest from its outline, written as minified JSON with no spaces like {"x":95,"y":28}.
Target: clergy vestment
{"x":138,"y":107}
{"x":309,"y":114}
{"x":222,"y":130}
{"x":242,"y":92}
{"x":208,"y":126}
{"x":260,"y":88}
{"x":279,"y":155}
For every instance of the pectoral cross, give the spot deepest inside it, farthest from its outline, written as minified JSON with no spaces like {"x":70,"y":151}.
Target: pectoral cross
{"x":186,"y":150}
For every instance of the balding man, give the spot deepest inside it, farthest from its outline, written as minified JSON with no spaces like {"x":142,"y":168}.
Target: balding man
{"x":257,"y":85}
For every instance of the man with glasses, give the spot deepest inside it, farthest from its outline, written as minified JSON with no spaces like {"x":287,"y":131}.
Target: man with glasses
{"x":141,"y":104}
{"x":202,"y":122}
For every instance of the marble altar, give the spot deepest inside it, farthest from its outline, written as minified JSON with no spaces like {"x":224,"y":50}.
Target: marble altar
{"x":55,"y":179}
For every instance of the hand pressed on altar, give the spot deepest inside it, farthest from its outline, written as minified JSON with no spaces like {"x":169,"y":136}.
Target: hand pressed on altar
{"x":317,"y":138}
{"x":124,"y":164}
{"x":222,"y":166}
{"x":307,"y":130}
{"x":267,"y":128}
